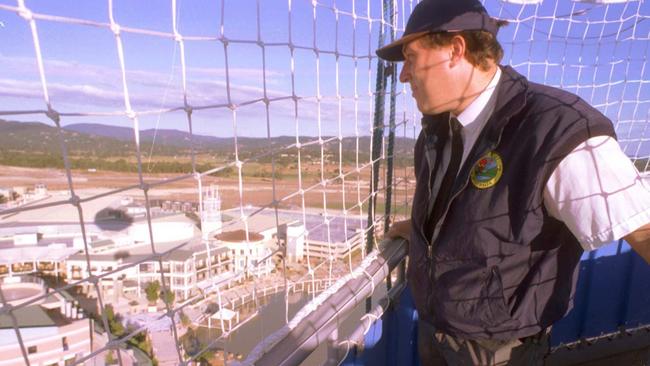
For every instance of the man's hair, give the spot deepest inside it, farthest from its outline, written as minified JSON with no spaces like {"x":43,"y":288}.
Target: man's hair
{"x":482,"y":46}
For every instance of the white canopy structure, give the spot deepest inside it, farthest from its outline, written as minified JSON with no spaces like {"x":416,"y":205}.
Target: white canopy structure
{"x":224,"y":317}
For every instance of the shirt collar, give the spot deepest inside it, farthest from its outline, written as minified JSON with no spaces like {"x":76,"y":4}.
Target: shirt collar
{"x":483,"y":103}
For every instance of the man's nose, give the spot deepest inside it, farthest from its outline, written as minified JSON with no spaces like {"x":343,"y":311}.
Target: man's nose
{"x":404,"y":74}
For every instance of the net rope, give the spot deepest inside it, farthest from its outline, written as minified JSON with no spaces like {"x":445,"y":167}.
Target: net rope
{"x":597,"y":51}
{"x":118,"y":29}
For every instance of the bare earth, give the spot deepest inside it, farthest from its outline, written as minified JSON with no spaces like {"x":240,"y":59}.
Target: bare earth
{"x":254,"y":191}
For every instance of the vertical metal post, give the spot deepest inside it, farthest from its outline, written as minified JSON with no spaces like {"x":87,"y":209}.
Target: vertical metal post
{"x":333,"y":356}
{"x":377,"y":137}
{"x":392,"y":73}
{"x":282,"y":237}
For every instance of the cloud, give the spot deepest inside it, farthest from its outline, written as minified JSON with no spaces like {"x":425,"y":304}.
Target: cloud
{"x":20,"y":89}
{"x":92,"y":87}
{"x":273,"y":77}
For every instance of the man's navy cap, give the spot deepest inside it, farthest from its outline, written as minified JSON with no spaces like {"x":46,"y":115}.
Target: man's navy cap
{"x":431,"y":16}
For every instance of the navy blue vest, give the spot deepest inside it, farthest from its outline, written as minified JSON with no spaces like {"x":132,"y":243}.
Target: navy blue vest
{"x":500,"y":266}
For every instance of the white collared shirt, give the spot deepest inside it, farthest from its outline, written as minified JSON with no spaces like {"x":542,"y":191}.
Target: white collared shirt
{"x":595,"y":190}
{"x":474,"y":117}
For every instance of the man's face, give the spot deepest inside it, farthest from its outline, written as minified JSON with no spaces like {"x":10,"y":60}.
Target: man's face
{"x":427,"y":70}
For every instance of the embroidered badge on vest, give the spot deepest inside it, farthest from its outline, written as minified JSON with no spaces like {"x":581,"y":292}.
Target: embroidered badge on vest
{"x":487,"y":172}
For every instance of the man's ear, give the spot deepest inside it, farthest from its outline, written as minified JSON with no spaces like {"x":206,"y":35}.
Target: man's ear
{"x":457,"y":50}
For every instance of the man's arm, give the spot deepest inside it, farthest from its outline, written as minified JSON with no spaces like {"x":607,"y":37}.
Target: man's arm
{"x":598,"y":193}
{"x":402,"y":229}
{"x":639,"y":240}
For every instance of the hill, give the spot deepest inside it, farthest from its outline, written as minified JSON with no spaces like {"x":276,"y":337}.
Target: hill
{"x":246,"y":145}
{"x":35,"y":144}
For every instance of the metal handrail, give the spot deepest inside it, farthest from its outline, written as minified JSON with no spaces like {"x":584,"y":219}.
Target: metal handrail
{"x":296,"y":343}
{"x":338,"y":350}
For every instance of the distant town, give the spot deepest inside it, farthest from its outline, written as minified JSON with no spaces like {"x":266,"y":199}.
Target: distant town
{"x":62,"y":260}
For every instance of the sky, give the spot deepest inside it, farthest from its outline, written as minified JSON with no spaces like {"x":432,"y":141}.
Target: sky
{"x":84,"y":74}
{"x":596,"y":51}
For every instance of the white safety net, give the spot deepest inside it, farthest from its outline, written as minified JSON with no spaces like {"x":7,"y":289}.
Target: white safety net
{"x":199,"y":171}
{"x":251,"y":121}
{"x":593,"y":49}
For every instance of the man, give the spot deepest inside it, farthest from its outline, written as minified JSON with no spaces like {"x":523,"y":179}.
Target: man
{"x":514,"y":181}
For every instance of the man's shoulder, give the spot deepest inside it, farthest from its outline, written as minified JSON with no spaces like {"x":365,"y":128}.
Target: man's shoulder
{"x":551,"y":100}
{"x":555,"y":112}
{"x":545,"y":99}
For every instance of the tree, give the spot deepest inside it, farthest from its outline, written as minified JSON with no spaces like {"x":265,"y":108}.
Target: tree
{"x":152,"y":290}
{"x":167,"y":296}
{"x":121,"y":255}
{"x":114,"y":321}
{"x":211,"y":308}
{"x":195,"y":348}
{"x":185,"y":320}
{"x":110,"y":358}
{"x":141,"y":341}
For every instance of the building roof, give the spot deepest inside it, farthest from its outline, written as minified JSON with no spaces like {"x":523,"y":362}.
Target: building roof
{"x":178,"y":255}
{"x":335,"y":227}
{"x":30,"y":316}
{"x":53,"y":301}
{"x":258,"y":222}
{"x":238,"y":236}
{"x":225,"y":314}
{"x":65,"y":212}
{"x":102,"y":243}
{"x":177,"y":251}
{"x":28,"y":254}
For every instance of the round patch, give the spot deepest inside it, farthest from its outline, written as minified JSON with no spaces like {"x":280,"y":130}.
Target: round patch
{"x":487,"y":172}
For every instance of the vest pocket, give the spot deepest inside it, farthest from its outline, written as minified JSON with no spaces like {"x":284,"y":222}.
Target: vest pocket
{"x":418,"y":269}
{"x":496,"y":310}
{"x":471,"y":302}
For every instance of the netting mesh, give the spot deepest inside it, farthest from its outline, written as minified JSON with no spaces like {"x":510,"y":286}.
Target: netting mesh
{"x":246,"y":173}
{"x":595,"y":50}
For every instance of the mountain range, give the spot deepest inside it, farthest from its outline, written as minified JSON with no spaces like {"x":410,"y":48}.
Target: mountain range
{"x":99,"y":140}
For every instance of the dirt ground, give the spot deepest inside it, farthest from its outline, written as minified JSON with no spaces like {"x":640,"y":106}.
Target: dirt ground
{"x":254,"y":191}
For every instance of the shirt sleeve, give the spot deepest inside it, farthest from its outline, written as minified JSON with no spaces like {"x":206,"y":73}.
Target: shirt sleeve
{"x":598,"y":193}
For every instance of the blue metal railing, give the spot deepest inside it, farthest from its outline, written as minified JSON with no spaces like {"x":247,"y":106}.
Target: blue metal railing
{"x":612,"y":294}
{"x":613,"y":291}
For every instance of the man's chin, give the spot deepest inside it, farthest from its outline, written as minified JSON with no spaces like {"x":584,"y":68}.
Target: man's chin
{"x":427,"y":110}
{"x":423,"y":109}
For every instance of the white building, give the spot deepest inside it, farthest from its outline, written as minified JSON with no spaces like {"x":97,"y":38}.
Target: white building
{"x":6,"y":192}
{"x":40,"y":190}
{"x":211,"y":213}
{"x":251,"y":252}
{"x":54,"y":330}
{"x":295,"y":242}
{"x":184,"y":265}
{"x":223,"y":253}
{"x":313,"y":235}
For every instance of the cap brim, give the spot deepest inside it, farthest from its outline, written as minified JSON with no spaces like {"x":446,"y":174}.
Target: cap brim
{"x":393,"y":51}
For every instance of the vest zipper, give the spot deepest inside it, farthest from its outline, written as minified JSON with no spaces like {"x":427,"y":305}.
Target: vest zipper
{"x":442,"y":218}
{"x":421,"y":229}
{"x":444,"y":214}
